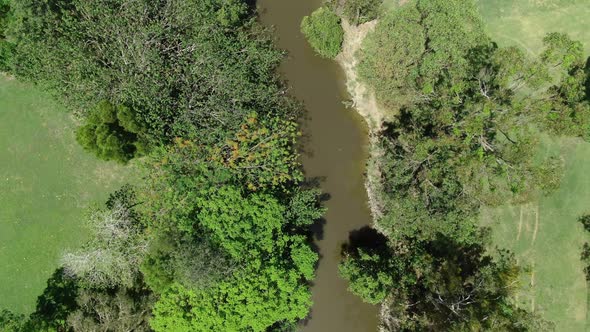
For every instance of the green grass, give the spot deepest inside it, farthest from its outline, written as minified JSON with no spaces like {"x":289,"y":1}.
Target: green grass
{"x":526,"y":22}
{"x":47,"y":183}
{"x":547,"y":238}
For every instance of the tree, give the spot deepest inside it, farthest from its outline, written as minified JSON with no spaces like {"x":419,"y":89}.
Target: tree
{"x":565,"y":107}
{"x":6,"y":46}
{"x":115,"y":251}
{"x":418,"y":51}
{"x":324,"y":32}
{"x":253,"y":299}
{"x":192,"y":263}
{"x":11,"y":322}
{"x":261,"y":153}
{"x":441,"y":285}
{"x":112,"y":133}
{"x":361,"y":11}
{"x":55,"y":304}
{"x":113,"y":310}
{"x":192,"y":68}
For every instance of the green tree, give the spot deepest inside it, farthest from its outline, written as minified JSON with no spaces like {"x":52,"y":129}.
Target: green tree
{"x":441,"y":285}
{"x":195,"y":68}
{"x":112,"y":133}
{"x":361,"y":11}
{"x":418,"y":51}
{"x":6,"y":46}
{"x":55,"y":304}
{"x":253,"y":299}
{"x":113,"y":310}
{"x":11,"y":322}
{"x":324,"y":32}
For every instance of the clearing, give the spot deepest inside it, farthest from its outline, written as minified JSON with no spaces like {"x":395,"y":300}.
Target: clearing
{"x":526,"y":22}
{"x":47,"y":182}
{"x":547,"y":239}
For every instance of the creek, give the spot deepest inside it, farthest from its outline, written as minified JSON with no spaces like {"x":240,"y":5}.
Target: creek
{"x":336,"y":142}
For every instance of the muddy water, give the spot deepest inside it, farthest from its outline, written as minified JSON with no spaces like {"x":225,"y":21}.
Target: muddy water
{"x":337,"y":153}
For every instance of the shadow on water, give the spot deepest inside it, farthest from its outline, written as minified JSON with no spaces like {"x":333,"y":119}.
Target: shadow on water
{"x":367,"y":238}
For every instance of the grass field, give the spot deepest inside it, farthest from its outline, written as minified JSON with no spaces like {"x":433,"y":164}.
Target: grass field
{"x":46,"y":184}
{"x":548,"y":238}
{"x":525,"y":22}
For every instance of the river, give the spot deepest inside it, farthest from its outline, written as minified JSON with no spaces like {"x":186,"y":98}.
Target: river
{"x":336,"y":151}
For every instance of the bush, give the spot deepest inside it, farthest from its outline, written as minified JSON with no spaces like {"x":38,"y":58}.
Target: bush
{"x":324,"y":32}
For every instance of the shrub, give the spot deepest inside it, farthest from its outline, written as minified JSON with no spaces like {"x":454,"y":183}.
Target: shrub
{"x":324,"y":32}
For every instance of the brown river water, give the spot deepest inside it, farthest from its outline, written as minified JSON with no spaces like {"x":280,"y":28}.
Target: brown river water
{"x":336,"y":151}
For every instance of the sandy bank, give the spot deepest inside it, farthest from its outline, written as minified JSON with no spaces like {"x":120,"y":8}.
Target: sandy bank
{"x":366,"y":105}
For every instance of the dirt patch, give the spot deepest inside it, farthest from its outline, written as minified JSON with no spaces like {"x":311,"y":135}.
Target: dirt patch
{"x":365,"y":103}
{"x":363,"y":98}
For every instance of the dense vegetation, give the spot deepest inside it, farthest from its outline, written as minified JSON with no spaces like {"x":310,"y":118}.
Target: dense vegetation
{"x":463,"y":129}
{"x":360,"y":11}
{"x":324,"y":32}
{"x":216,"y":236}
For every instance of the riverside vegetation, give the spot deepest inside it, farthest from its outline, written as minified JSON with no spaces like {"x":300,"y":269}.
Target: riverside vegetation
{"x":216,"y":236}
{"x":462,"y":131}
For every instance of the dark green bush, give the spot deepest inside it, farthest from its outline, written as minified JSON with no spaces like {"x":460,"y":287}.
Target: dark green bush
{"x":112,"y":133}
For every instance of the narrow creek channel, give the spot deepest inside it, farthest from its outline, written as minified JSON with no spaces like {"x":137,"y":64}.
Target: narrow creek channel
{"x":337,"y":152}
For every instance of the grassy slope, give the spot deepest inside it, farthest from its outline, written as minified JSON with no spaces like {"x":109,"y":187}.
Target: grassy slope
{"x":525,"y":22}
{"x":555,"y":284}
{"x":46,"y":183}
{"x":548,"y":238}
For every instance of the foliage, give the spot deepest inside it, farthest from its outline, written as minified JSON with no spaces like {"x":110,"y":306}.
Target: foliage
{"x":219,"y":228}
{"x":261,"y":235}
{"x":370,"y":266}
{"x":253,"y":299}
{"x":419,"y":49}
{"x":361,"y":11}
{"x":11,"y":322}
{"x":463,"y":129}
{"x":193,"y":263}
{"x":192,"y":68}
{"x":56,"y":303}
{"x":324,"y":32}
{"x":464,"y":132}
{"x":565,"y":109}
{"x":112,"y":133}
{"x":447,"y":156}
{"x":6,"y":46}
{"x":441,"y":285}
{"x":113,"y":256}
{"x":113,"y":310}
{"x":261,"y":153}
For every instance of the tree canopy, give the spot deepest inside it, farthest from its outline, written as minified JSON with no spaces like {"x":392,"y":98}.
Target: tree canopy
{"x":215,"y":236}
{"x":464,"y":122}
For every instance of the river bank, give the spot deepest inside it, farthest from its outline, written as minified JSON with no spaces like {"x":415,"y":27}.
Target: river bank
{"x":364,"y":103}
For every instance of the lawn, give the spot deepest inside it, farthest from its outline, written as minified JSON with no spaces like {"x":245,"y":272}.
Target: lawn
{"x":47,"y":183}
{"x":548,"y":238}
{"x":525,"y":22}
